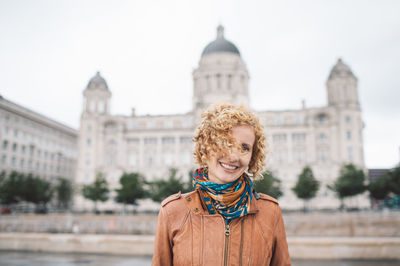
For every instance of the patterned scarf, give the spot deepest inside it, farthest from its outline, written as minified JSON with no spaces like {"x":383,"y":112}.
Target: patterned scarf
{"x":231,"y":200}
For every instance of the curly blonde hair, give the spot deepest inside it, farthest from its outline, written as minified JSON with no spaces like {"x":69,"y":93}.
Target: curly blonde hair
{"x":213,"y":135}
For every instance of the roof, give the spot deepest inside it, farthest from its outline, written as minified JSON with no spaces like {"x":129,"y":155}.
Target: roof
{"x":97,"y":82}
{"x":220,"y":44}
{"x":341,"y":70}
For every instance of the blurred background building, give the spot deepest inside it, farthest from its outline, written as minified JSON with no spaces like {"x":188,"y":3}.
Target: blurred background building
{"x":323,"y":138}
{"x":33,"y":143}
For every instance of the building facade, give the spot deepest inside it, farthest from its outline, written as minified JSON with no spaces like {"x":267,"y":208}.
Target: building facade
{"x":33,"y":143}
{"x":323,"y":138}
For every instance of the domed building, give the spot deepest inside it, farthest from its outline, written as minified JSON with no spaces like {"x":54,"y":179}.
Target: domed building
{"x":323,"y":138}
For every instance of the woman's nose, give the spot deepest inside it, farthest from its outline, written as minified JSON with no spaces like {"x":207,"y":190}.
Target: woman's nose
{"x":233,"y":156}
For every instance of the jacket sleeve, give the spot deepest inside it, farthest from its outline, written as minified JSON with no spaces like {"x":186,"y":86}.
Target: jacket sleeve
{"x":280,"y":256}
{"x":162,"y":243}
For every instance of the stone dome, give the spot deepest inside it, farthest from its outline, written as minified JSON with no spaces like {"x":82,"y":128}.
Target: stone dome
{"x":220,"y":45}
{"x":341,"y":70}
{"x":97,"y":82}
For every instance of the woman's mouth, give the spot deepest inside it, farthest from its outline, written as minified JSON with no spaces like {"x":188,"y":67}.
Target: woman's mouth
{"x":228,"y":166}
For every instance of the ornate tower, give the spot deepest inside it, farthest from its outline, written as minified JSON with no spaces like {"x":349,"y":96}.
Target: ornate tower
{"x":221,"y":76}
{"x":96,"y":96}
{"x":342,"y":87}
{"x":96,"y":107}
{"x":343,"y":97}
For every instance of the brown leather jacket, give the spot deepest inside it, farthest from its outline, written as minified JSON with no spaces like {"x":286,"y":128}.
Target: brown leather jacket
{"x":188,"y":235}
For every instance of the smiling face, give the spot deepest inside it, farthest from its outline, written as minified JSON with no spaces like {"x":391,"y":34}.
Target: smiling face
{"x":223,"y":169}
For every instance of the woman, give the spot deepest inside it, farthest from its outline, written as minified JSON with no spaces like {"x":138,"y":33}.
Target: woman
{"x":224,"y":221}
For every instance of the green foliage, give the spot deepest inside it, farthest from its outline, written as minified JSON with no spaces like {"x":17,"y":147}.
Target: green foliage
{"x":269,"y":185}
{"x":307,"y":186}
{"x":379,"y":189}
{"x":37,"y":190}
{"x":160,"y":189}
{"x":11,"y":188}
{"x":350,"y":182}
{"x":132,"y":188}
{"x":64,"y":191}
{"x":97,"y":191}
{"x":394,"y":180}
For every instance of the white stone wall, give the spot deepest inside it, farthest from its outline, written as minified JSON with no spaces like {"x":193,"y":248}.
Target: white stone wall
{"x":32,"y":143}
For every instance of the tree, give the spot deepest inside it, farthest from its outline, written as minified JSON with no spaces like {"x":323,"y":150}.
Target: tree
{"x":97,"y":191}
{"x":160,"y":189}
{"x":394,"y":180}
{"x":132,"y":189}
{"x":269,"y":185}
{"x":379,"y":189}
{"x":37,"y":191}
{"x":349,"y":183}
{"x":307,"y":186}
{"x":11,"y":188}
{"x":64,"y":191}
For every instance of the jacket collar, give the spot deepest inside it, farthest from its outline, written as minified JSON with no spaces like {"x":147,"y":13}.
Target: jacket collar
{"x":194,"y":201}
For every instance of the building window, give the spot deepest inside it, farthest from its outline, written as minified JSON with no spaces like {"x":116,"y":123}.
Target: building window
{"x":281,"y":156}
{"x":149,"y":159}
{"x":133,"y":124}
{"x":348,"y":135}
{"x":322,"y":154}
{"x":92,"y":106}
{"x":278,"y":120}
{"x":88,"y":142}
{"x":279,"y":138}
{"x":185,"y":140}
{"x":23,"y":149}
{"x":168,"y":140}
{"x":229,"y":85}
{"x":218,"y":76}
{"x":5,"y":144}
{"x":30,"y":164}
{"x":14,"y":147}
{"x":299,"y":155}
{"x":110,"y":159}
{"x":348,"y":119}
{"x":322,"y":137}
{"x":297,"y":119}
{"x":4,"y":159}
{"x":298,"y":137}
{"x":13,"y":161}
{"x":350,"y":153}
{"x":133,"y":159}
{"x":148,"y":141}
{"x":21,"y":163}
{"x":133,"y":141}
{"x":6,"y":131}
{"x":321,"y":118}
{"x":100,"y":106}
{"x":16,"y":133}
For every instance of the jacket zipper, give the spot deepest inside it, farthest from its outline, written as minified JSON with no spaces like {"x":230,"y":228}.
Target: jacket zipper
{"x":241,"y":241}
{"x":227,"y":233}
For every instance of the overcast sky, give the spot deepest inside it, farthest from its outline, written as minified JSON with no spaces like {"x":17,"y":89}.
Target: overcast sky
{"x":147,"y":50}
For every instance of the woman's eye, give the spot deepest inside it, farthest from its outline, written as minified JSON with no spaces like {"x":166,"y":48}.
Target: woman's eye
{"x":245,"y":147}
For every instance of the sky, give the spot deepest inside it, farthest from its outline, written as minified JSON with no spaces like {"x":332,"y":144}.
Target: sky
{"x":147,"y":50}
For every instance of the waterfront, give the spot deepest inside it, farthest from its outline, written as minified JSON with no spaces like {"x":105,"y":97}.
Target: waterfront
{"x":11,"y":258}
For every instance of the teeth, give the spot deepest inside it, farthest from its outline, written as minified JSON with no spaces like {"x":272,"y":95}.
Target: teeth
{"x":230,"y":167}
